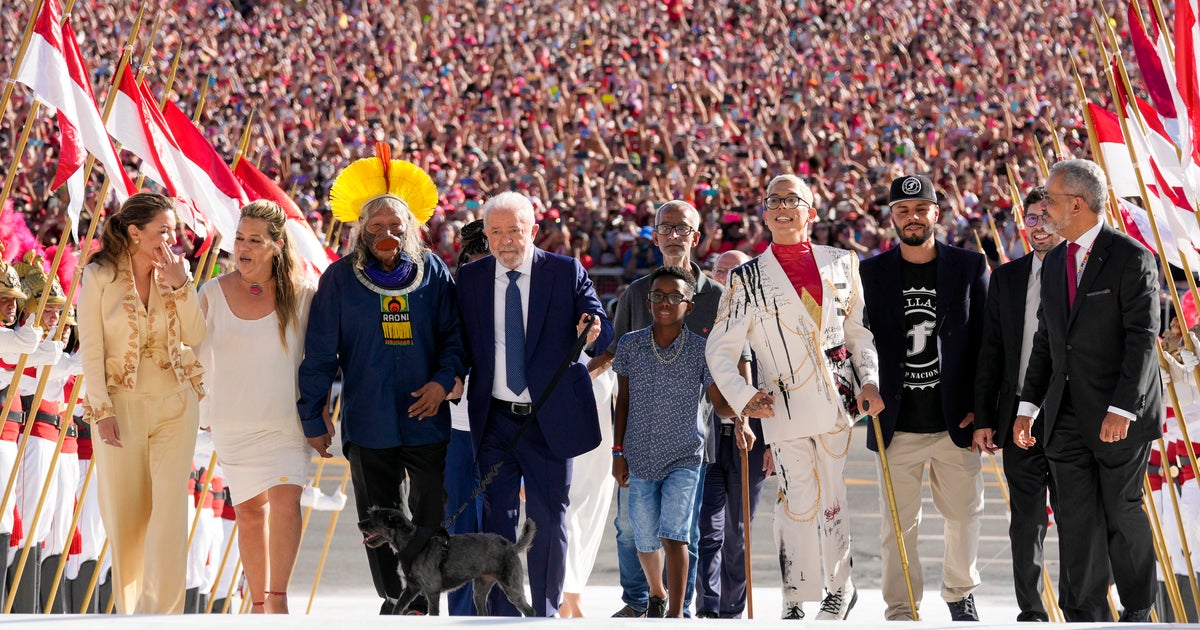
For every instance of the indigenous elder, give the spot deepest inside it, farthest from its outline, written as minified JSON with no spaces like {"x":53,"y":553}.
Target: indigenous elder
{"x":385,"y":315}
{"x":924,"y":302}
{"x":50,"y":536}
{"x":522,"y":311}
{"x":257,"y":316}
{"x":139,"y":317}
{"x":801,"y":308}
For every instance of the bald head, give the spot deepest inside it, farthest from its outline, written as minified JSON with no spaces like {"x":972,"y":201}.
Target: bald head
{"x":726,"y":262}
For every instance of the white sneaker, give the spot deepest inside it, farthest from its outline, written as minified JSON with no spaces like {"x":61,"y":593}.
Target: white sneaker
{"x":793,"y":611}
{"x":837,"y":605}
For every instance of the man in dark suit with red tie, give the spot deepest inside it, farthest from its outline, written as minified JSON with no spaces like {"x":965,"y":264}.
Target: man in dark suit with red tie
{"x":1010,"y":321}
{"x":1093,"y":373}
{"x":522,"y":309}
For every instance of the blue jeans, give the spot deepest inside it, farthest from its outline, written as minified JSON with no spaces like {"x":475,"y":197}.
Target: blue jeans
{"x":635,"y":591}
{"x":663,"y":509}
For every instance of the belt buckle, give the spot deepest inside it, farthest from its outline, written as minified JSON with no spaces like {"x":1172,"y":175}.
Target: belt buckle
{"x":522,"y":409}
{"x":726,"y":430}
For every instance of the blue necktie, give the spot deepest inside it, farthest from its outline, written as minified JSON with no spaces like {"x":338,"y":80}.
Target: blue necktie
{"x":514,"y":335}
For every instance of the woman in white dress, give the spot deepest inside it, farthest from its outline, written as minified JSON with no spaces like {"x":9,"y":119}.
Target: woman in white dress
{"x":256,"y":318}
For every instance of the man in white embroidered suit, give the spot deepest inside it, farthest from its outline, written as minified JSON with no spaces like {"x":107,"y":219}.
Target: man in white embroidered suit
{"x":800,"y":307}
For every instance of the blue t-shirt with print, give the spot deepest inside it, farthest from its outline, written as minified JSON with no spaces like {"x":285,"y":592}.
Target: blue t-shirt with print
{"x":665,"y":388}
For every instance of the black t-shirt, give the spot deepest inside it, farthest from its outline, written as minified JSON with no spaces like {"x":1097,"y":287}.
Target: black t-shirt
{"x":921,"y":400}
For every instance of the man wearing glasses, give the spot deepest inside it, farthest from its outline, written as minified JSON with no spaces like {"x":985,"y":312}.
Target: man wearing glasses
{"x":676,"y":233}
{"x":1093,"y":370}
{"x":800,"y":307}
{"x":1010,"y":320}
{"x":924,"y":303}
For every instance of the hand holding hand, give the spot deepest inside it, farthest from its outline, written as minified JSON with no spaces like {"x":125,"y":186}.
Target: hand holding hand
{"x":429,"y":398}
{"x":321,"y":444}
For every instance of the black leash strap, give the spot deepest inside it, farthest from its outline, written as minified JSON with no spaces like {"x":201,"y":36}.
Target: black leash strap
{"x":537,"y":405}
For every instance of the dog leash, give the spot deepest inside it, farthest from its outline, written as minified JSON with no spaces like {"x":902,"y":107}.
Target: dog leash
{"x":512,"y":446}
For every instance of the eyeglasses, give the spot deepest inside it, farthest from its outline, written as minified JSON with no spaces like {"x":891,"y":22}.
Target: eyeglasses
{"x":1034,"y":220}
{"x":674,"y":299}
{"x":678,"y":230}
{"x":790,"y":202}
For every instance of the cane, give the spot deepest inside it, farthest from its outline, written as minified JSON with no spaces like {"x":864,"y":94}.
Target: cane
{"x":891,"y":495}
{"x":746,"y":516}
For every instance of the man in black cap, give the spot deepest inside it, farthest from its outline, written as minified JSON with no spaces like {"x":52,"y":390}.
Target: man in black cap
{"x":925,"y":306}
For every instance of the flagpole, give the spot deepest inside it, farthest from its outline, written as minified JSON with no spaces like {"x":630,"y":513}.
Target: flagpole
{"x":19,"y":370}
{"x":162,"y":101}
{"x":26,"y":38}
{"x":75,"y":516}
{"x":1191,"y":280}
{"x":1113,"y":88}
{"x":1014,"y":194}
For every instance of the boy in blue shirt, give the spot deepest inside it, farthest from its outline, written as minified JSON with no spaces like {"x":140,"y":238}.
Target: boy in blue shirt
{"x":657,"y":436}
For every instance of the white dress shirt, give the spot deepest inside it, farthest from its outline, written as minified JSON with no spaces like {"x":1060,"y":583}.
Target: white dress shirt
{"x":1033,"y":299}
{"x":500,"y":380}
{"x":1085,"y":242}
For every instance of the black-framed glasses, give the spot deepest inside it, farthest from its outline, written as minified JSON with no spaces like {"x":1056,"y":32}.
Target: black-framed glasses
{"x":678,"y":230}
{"x":674,"y":299}
{"x":1034,"y":220}
{"x":791,"y":202}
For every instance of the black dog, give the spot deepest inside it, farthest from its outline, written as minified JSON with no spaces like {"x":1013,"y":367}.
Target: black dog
{"x":433,"y":562}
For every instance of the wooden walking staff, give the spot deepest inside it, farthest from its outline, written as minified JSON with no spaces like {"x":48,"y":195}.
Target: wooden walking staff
{"x":78,"y":511}
{"x":333,"y":519}
{"x":891,"y":497}
{"x":746,"y":519}
{"x":19,"y":569}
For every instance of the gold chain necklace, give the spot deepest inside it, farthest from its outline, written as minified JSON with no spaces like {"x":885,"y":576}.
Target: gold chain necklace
{"x":678,"y":350}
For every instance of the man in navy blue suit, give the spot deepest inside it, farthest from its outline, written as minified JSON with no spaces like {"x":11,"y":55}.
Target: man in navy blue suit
{"x":522,"y":310}
{"x":924,"y":304}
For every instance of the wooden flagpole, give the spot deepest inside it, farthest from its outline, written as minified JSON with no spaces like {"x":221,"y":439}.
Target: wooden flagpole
{"x":77,"y":513}
{"x":333,"y":519}
{"x":163,"y":101}
{"x":19,"y":370}
{"x":26,"y":38}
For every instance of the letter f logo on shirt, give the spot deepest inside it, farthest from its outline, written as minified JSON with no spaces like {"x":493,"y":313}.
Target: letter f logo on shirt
{"x":919,"y":335}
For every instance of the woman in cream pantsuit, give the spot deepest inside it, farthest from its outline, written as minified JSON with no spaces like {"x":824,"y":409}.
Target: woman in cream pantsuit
{"x":138,"y":315}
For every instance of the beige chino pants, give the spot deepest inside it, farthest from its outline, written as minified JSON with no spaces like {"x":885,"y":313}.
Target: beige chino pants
{"x":957,"y":486}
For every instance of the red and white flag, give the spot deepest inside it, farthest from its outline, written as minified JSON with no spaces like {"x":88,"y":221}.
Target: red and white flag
{"x":258,"y":186}
{"x":205,"y":168}
{"x":54,"y":70}
{"x":1171,"y":219}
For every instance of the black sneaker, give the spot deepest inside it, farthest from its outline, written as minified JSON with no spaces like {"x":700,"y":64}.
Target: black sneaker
{"x":657,"y":608}
{"x":629,"y":611}
{"x":964,"y":609}
{"x":795,"y":611}
{"x":704,"y":614}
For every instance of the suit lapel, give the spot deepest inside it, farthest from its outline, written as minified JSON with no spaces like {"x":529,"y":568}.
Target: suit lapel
{"x":1018,"y":289}
{"x":541,"y":287}
{"x":1095,"y":264}
{"x":947,"y":283}
{"x":1054,"y":282}
{"x":891,"y":285}
{"x":487,"y":287}
{"x":826,"y":270}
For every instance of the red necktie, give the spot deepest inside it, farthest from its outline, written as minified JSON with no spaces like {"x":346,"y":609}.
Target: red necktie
{"x":1072,"y":273}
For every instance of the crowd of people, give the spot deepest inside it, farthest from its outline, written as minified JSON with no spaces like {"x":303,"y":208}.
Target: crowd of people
{"x":776,"y":145}
{"x":601,"y":111}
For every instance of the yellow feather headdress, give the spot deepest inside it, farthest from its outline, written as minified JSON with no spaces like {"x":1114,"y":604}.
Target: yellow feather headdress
{"x":368,"y":178}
